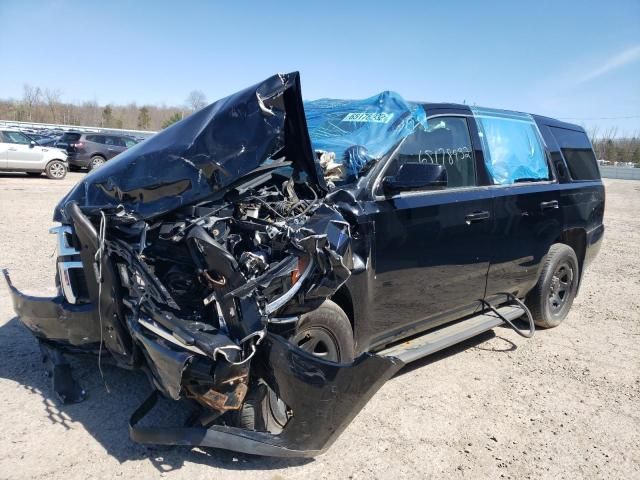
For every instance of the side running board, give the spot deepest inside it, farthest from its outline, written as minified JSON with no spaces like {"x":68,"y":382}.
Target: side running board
{"x":448,"y":335}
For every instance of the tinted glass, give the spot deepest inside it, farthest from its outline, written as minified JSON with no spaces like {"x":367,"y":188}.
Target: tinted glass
{"x":93,"y":138}
{"x":70,"y":137}
{"x":109,"y":141}
{"x":577,"y":153}
{"x":118,"y":141}
{"x":129,"y":142}
{"x":446,"y":142}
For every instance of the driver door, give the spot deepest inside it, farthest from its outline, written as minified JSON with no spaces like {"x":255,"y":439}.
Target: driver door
{"x":431,"y":246}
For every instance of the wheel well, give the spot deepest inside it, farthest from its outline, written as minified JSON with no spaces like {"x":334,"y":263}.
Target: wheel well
{"x":98,"y":155}
{"x":576,"y":238}
{"x":343,"y":299}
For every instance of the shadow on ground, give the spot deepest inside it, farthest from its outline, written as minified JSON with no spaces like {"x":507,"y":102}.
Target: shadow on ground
{"x":503,"y":346}
{"x":105,"y":413}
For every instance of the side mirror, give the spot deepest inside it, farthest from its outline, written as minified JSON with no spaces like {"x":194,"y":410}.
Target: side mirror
{"x":416,"y":176}
{"x":32,"y":144}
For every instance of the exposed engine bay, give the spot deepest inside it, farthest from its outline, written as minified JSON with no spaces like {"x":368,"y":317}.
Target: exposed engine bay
{"x":222,"y":272}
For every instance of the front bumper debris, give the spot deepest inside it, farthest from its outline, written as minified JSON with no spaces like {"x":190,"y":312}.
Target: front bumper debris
{"x":55,"y":319}
{"x":326,"y":397}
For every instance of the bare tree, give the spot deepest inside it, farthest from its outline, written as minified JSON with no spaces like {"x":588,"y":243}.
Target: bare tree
{"x":31,"y":98}
{"x":196,"y":100}
{"x":52,"y":97}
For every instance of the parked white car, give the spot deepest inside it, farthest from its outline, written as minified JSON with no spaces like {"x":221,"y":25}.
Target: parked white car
{"x":18,"y":153}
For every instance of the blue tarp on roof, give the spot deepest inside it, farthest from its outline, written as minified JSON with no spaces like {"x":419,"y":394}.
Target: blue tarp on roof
{"x":377,"y":123}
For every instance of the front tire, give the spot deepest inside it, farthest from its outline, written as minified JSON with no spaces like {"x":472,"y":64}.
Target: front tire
{"x":96,"y":162}
{"x":56,"y":170}
{"x":325,"y":333}
{"x":553,"y":295}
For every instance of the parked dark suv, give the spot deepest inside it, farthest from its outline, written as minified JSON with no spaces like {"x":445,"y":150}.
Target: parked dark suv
{"x":275,"y":262}
{"x":92,"y":150}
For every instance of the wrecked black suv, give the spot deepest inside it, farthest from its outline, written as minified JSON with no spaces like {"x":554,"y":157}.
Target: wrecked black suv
{"x":276,"y":262}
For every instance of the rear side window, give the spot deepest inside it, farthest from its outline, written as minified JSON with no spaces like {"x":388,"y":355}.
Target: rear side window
{"x":70,"y":137}
{"x":444,"y":141}
{"x":513,"y":147}
{"x":94,"y":138}
{"x":577,"y":152}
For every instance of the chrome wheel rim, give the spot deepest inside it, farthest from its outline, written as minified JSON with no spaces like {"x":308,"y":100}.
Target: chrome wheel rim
{"x":96,"y":162}
{"x":560,"y":287}
{"x":57,"y":170}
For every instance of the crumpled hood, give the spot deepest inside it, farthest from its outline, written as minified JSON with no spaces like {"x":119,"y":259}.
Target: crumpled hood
{"x":206,"y":152}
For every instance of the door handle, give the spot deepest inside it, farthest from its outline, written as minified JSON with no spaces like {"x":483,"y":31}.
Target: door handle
{"x":547,"y":205}
{"x":476,"y":217}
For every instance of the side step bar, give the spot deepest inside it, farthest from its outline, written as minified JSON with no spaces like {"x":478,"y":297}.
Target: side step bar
{"x":448,"y":335}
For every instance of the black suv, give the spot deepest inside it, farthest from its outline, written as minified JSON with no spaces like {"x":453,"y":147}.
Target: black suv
{"x":92,"y":150}
{"x":275,"y":262}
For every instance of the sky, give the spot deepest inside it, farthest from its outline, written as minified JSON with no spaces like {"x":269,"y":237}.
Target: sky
{"x":574,"y":60}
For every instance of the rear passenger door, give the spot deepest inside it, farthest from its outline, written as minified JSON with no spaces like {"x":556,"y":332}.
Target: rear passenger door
{"x":527,"y":204}
{"x":431,"y":247}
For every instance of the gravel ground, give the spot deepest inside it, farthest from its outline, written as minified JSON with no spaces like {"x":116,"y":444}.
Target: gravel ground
{"x":565,"y":404}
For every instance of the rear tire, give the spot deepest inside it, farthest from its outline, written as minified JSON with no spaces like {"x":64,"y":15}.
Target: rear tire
{"x":56,"y":170}
{"x":553,"y":295}
{"x":325,"y":333}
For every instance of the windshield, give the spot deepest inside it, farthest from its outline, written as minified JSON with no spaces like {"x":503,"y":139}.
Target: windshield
{"x":348,"y":136}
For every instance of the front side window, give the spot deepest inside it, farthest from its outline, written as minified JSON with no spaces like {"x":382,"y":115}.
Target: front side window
{"x":513,"y":147}
{"x":119,"y":141}
{"x":16,"y":137}
{"x":444,"y":141}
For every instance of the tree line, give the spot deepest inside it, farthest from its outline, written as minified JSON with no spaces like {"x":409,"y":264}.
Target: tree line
{"x":608,"y":146}
{"x":45,"y":106}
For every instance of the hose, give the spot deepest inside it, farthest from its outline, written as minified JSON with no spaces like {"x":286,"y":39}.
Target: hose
{"x":516,"y":300}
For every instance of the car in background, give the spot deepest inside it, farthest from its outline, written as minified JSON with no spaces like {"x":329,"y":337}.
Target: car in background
{"x":36,"y":137}
{"x":19,"y":153}
{"x":92,"y":150}
{"x":48,"y":141}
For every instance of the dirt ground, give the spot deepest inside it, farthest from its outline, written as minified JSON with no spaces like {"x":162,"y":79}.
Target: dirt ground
{"x":565,"y":404}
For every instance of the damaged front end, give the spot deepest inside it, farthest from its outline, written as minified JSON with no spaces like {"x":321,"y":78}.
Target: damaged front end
{"x":192,"y":256}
